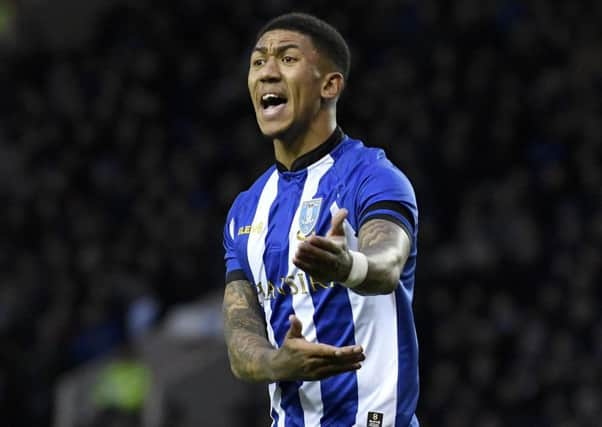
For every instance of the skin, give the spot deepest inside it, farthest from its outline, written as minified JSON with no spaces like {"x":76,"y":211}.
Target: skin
{"x":287,"y":63}
{"x":385,"y":244}
{"x":252,"y":357}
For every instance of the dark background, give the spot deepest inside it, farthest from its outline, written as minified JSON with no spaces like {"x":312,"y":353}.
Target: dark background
{"x":126,"y":132}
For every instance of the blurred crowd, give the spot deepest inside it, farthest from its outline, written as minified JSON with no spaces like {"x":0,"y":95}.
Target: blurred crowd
{"x":120,"y":155}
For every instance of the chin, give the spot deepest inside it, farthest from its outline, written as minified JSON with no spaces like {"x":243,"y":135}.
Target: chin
{"x":273,"y":130}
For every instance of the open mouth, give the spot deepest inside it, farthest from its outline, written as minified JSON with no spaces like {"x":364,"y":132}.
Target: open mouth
{"x":272,"y":100}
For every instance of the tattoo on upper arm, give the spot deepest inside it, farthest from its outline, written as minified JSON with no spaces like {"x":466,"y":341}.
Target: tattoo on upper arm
{"x":387,"y":246}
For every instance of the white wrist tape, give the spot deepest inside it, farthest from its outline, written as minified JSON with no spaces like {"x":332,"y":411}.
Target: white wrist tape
{"x":359,"y":270}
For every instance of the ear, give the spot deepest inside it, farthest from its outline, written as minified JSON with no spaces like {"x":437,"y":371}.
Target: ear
{"x":332,"y":85}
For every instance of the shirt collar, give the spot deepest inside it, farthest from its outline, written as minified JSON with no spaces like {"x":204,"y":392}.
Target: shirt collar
{"x":316,"y":154}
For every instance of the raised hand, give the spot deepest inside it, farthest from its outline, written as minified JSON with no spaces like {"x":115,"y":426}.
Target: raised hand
{"x":326,"y":258}
{"x":298,"y":359}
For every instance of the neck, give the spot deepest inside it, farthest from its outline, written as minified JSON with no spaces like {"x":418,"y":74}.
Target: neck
{"x":289,"y":148}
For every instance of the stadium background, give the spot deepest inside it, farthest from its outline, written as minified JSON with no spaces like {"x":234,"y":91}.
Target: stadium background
{"x":126,"y":132}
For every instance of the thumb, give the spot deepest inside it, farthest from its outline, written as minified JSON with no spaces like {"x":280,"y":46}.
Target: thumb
{"x":336,"y":228}
{"x":296,"y":326}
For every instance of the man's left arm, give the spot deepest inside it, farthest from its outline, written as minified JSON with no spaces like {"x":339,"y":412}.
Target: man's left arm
{"x":384,"y":245}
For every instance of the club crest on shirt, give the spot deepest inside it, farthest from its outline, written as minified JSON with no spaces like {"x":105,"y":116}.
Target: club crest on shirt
{"x":308,"y":216}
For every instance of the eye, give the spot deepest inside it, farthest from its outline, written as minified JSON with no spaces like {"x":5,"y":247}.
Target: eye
{"x":258,"y":62}
{"x":287,"y":59}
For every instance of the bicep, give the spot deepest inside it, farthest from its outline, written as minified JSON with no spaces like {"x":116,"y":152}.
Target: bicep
{"x":241,"y":309}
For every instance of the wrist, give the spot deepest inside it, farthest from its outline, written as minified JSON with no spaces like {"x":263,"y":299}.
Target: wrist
{"x":358,"y":271}
{"x":271,"y":365}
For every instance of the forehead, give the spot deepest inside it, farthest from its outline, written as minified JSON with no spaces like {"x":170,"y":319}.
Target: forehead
{"x":274,"y":38}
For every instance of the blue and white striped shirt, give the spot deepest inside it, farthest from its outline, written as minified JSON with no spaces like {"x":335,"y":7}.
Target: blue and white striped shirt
{"x":262,"y":231}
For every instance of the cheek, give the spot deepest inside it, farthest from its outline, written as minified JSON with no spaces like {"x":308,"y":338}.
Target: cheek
{"x":308,"y":90}
{"x":250,"y":85}
{"x":310,"y":95}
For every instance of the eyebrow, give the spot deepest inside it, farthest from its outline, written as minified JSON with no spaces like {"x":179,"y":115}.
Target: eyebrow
{"x":279,"y":49}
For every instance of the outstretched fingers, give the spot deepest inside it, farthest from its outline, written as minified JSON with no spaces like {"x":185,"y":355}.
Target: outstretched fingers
{"x":337,"y":355}
{"x":343,"y":359}
{"x":312,"y":361}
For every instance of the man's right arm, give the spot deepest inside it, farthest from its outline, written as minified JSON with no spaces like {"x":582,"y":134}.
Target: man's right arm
{"x":244,"y":329}
{"x":253,"y":358}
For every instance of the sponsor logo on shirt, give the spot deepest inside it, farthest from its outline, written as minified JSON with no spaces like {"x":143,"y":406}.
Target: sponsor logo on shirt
{"x":253,"y":228}
{"x":291,"y":285}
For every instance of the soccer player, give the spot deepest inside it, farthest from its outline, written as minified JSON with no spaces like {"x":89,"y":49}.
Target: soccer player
{"x":320,"y":251}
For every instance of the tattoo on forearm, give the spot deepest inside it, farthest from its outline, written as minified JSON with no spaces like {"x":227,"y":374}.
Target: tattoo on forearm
{"x":244,"y":330}
{"x":241,"y":309}
{"x":386,"y":245}
{"x":376,"y":232}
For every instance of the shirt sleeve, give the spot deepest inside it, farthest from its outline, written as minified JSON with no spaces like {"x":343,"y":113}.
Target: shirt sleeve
{"x":234,"y":270}
{"x":385,"y":192}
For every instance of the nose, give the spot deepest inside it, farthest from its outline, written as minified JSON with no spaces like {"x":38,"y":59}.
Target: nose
{"x":270,"y":71}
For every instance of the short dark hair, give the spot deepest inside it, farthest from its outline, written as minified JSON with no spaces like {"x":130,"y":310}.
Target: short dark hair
{"x":324,"y":36}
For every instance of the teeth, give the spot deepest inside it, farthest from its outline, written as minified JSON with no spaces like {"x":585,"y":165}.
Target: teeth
{"x":268,"y":96}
